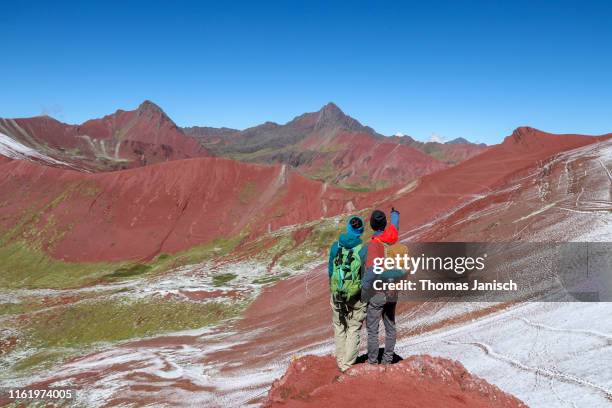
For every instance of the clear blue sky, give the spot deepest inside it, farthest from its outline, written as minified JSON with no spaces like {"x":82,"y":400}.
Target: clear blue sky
{"x":459,"y":68}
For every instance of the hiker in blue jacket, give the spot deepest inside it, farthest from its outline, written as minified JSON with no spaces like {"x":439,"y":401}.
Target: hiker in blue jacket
{"x":345,"y":266}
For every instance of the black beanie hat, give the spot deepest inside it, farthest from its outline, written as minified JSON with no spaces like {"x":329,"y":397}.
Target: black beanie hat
{"x":378,"y":220}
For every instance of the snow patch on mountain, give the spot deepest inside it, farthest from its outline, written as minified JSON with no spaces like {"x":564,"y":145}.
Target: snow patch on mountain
{"x":15,"y":150}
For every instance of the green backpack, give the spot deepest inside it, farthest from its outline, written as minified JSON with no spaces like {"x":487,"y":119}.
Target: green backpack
{"x":346,"y":280}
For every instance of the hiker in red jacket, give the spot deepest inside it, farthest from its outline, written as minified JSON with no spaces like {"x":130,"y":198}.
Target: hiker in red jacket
{"x":381,"y":305}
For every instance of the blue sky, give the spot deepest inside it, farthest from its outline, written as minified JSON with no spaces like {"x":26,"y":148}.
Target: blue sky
{"x":462,"y":68}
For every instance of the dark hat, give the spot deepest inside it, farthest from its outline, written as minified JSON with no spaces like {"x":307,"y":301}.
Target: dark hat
{"x":378,"y":220}
{"x":355,"y":225}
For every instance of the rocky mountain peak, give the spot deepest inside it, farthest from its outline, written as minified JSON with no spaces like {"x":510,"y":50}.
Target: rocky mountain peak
{"x":331,"y":116}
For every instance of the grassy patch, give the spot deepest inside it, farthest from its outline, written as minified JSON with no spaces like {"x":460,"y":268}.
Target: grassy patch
{"x":247,"y":192}
{"x":435,"y":151}
{"x":281,"y":244}
{"x":283,"y":250}
{"x":270,"y":279}
{"x":258,"y":155}
{"x":129,"y":271}
{"x":215,"y":249}
{"x":15,"y":308}
{"x":37,"y":225}
{"x":26,"y":267}
{"x":222,"y":279}
{"x":356,"y":187}
{"x":325,"y":173}
{"x":314,"y":247}
{"x":40,"y":360}
{"x":116,"y":319}
{"x":365,"y":186}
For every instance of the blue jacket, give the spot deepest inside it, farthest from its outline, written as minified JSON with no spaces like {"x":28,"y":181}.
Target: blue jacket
{"x":349,"y":239}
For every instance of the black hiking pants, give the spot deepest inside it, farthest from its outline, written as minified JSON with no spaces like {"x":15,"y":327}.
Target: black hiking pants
{"x":379,"y":308}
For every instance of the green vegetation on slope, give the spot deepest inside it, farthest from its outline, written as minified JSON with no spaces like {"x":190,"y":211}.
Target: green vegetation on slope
{"x":215,"y":249}
{"x":222,"y":279}
{"x":16,"y":308}
{"x":27,"y":266}
{"x":55,"y":334}
{"x":288,"y":251}
{"x":114,"y":319}
{"x":41,"y":360}
{"x":264,"y":280}
{"x":248,"y":192}
{"x":325,"y":173}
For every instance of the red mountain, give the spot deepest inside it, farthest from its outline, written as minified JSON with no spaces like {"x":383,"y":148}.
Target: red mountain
{"x":125,"y":139}
{"x":436,"y":195}
{"x":166,"y":207}
{"x":326,"y":145}
{"x":451,"y":152}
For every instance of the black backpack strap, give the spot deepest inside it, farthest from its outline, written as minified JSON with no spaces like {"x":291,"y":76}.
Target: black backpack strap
{"x":338,"y":258}
{"x":349,"y":260}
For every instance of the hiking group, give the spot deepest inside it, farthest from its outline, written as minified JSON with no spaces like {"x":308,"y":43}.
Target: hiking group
{"x":353,"y":297}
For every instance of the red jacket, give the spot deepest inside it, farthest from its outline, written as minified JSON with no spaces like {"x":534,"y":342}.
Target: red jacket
{"x":376,"y":248}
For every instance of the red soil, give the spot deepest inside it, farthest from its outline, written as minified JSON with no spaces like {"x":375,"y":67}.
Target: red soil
{"x":167,"y":207}
{"x":147,"y":124}
{"x":419,"y":381}
{"x":124,"y":139}
{"x":305,"y":298}
{"x":456,"y":153}
{"x":381,"y":162}
{"x":7,"y":343}
{"x":445,"y":190}
{"x":450,"y":153}
{"x":204,"y":295}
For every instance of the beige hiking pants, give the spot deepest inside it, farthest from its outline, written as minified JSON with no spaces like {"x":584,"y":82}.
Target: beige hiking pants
{"x":347,"y":320}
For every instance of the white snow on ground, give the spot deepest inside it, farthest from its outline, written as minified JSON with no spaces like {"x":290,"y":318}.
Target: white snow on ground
{"x":15,"y":150}
{"x":189,"y":278}
{"x":547,"y":354}
{"x":169,"y":362}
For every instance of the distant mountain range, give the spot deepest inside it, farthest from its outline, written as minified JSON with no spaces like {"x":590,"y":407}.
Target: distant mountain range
{"x":172,"y":195}
{"x":325,"y":145}
{"x":330,"y":146}
{"x":124,"y":139}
